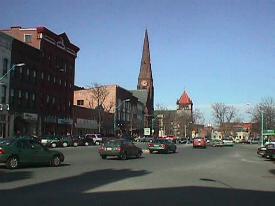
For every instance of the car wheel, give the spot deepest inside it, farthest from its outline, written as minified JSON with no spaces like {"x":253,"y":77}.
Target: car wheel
{"x":104,"y":157}
{"x":53,"y":145}
{"x":86,"y":143}
{"x":65,"y":144}
{"x":75,"y":144}
{"x":55,"y":161}
{"x":123,"y":156}
{"x":151,"y":151}
{"x":174,"y":151}
{"x":12,"y":162}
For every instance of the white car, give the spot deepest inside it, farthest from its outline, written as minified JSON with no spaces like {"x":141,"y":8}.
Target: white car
{"x":96,"y":138}
{"x":228,"y":141}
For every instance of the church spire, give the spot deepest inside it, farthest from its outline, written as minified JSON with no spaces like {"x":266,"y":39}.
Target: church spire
{"x":145,"y":65}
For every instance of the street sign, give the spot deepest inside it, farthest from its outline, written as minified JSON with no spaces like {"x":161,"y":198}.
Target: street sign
{"x":147,"y":131}
{"x":269,"y":132}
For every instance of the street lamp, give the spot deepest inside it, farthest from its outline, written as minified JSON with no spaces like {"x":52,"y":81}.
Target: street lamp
{"x":12,"y":68}
{"x":262,"y":128}
{"x":125,"y":100}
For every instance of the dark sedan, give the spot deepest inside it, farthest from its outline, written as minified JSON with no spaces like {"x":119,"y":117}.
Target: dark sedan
{"x":270,"y":151}
{"x":162,"y":145}
{"x":121,"y":148}
{"x":17,"y":151}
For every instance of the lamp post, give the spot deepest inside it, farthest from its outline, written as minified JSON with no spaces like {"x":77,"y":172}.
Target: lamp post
{"x":125,"y":100}
{"x":7,"y":105}
{"x":262,"y":128}
{"x":11,"y":69}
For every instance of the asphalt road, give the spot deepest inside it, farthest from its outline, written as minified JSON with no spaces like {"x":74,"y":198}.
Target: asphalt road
{"x":212,"y":176}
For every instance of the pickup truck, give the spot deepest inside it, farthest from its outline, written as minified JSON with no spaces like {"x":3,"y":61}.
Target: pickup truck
{"x":94,"y":138}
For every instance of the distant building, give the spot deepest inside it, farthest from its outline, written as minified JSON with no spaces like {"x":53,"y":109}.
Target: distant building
{"x":177,"y":122}
{"x":126,"y":110}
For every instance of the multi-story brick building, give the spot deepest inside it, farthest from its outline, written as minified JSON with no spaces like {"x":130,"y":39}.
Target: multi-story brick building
{"x":5,"y":66}
{"x":127,"y":112}
{"x":42,"y":91}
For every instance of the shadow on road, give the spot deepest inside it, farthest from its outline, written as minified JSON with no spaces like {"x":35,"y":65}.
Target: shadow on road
{"x":272,"y":171}
{"x":73,"y":191}
{"x":14,"y":176}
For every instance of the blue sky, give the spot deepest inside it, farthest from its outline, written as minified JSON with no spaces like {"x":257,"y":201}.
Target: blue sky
{"x":217,"y":50}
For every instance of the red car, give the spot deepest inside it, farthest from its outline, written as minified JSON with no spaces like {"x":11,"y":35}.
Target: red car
{"x":199,"y":142}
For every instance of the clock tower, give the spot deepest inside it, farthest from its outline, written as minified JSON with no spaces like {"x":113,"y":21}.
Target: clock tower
{"x":145,"y":81}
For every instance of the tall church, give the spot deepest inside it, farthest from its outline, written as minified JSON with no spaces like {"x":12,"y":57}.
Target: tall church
{"x":145,"y":82}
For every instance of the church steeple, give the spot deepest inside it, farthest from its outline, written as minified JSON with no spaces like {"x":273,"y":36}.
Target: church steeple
{"x":145,"y":74}
{"x":145,"y":81}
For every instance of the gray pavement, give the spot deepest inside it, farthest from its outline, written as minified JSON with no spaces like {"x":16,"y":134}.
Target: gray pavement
{"x":212,"y":176}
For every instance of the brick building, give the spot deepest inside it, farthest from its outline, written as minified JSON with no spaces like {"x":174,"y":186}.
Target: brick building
{"x":122,"y":111}
{"x":5,"y":65}
{"x":42,"y":92}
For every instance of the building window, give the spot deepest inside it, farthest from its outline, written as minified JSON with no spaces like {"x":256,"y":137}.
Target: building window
{"x":5,"y":66}
{"x":48,"y":99}
{"x":60,"y":82}
{"x":27,"y":95}
{"x":19,"y":94}
{"x":4,"y":90}
{"x":54,"y":80}
{"x":49,"y":77}
{"x":42,"y":75}
{"x":80,"y":102}
{"x":34,"y":74}
{"x":28,"y":38}
{"x":53,"y":100}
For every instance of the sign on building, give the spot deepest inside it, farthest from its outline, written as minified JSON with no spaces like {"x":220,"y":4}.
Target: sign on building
{"x":147,"y":131}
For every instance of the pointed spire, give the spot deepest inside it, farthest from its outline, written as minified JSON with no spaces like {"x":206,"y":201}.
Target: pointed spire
{"x":145,"y":65}
{"x":184,"y":99}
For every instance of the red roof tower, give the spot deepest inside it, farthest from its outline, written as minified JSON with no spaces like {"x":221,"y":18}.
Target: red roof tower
{"x":185,"y":102}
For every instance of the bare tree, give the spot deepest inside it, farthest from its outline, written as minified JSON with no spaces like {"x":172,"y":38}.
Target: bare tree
{"x":267,"y":107}
{"x":231,"y":113}
{"x":198,"y":117}
{"x":99,"y":94}
{"x":160,"y":107}
{"x":219,"y":112}
{"x":223,"y":113}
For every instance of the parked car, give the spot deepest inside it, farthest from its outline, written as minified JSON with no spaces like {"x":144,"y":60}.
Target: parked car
{"x":182,"y":140}
{"x":270,"y":151}
{"x":146,"y":139}
{"x":261,"y":151}
{"x":254,"y":140}
{"x":199,"y":142}
{"x":68,"y":141}
{"x":95,"y":139}
{"x":18,"y":151}
{"x":162,"y":145}
{"x":121,"y":148}
{"x":228,"y":141}
{"x":216,"y":143}
{"x":51,"y":141}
